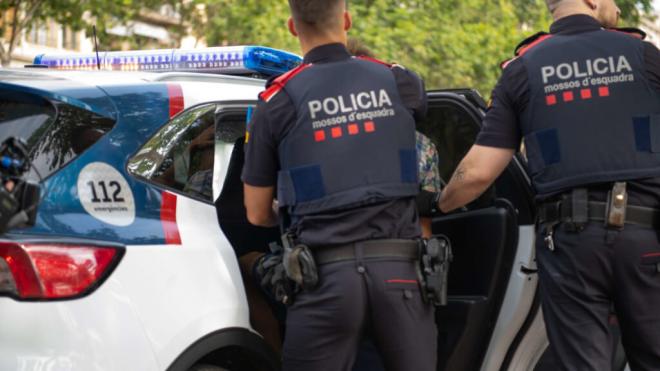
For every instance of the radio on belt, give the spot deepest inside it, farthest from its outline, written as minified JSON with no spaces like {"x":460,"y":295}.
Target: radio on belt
{"x":231,"y":60}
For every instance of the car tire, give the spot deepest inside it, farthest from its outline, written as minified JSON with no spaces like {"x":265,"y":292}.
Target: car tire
{"x":205,"y":367}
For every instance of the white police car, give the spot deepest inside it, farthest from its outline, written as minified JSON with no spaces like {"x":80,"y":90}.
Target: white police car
{"x":131,"y":262}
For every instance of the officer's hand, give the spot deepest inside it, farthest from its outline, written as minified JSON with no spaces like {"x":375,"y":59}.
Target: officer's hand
{"x":266,"y":269}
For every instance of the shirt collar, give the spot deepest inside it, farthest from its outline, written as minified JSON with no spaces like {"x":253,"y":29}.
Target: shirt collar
{"x":327,"y":53}
{"x":575,"y":24}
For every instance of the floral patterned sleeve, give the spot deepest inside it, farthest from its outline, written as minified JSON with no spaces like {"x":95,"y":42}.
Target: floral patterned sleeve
{"x":427,"y":154}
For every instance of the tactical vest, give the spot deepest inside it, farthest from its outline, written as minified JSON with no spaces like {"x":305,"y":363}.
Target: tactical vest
{"x":353,"y":142}
{"x":592,"y":116}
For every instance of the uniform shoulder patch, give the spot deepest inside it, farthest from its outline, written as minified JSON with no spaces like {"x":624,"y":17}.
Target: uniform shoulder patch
{"x":531,"y":42}
{"x":276,"y":85}
{"x":631,"y":31}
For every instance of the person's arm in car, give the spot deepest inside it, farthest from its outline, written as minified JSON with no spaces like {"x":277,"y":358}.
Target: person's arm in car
{"x":496,"y":144}
{"x":476,"y":172}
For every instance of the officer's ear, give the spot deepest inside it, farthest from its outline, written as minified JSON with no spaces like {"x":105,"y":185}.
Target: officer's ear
{"x":591,"y":4}
{"x":348,"y":21}
{"x":292,"y":27}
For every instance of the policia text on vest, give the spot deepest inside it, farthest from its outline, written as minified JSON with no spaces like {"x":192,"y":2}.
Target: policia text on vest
{"x":585,"y":74}
{"x":353,"y":108}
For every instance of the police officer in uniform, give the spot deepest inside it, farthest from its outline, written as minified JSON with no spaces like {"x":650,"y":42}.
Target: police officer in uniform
{"x":336,"y":138}
{"x":585,"y":99}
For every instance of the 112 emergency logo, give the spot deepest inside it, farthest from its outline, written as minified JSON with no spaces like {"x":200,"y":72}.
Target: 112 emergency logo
{"x":105,"y":194}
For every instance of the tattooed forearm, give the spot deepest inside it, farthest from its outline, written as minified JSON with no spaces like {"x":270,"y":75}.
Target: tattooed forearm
{"x":476,"y":172}
{"x":459,"y":174}
{"x":457,"y":189}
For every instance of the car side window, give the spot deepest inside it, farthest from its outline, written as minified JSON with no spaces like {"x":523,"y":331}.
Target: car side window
{"x":453,"y":129}
{"x":229,"y":134}
{"x":180,"y":157}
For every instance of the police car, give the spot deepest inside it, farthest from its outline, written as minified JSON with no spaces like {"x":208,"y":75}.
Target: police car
{"x":131,"y":263}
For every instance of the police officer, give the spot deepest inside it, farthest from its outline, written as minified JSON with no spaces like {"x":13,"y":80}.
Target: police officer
{"x":336,"y":136}
{"x":585,"y":99}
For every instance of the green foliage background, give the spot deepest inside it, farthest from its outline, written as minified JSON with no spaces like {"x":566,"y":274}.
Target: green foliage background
{"x":451,"y":43}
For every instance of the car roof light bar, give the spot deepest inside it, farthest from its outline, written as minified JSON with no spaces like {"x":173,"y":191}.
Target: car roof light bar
{"x":231,"y":60}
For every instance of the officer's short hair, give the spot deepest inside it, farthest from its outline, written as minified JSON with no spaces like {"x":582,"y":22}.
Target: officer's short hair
{"x":553,"y":4}
{"x":315,"y":13}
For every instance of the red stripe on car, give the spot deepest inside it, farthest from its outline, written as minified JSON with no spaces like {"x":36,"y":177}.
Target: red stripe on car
{"x":175,"y":93}
{"x":168,"y":218}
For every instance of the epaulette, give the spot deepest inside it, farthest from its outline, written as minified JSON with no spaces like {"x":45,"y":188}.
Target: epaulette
{"x":634,"y":32}
{"x":530,"y":42}
{"x":506,"y":63}
{"x":365,"y":58}
{"x":274,"y":86}
{"x":524,"y":46}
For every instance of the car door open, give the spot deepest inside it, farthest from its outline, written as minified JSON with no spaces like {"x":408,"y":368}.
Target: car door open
{"x":484,"y":236}
{"x":231,"y":122}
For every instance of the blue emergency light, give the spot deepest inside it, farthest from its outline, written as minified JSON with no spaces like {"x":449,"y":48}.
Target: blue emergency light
{"x":224,"y":60}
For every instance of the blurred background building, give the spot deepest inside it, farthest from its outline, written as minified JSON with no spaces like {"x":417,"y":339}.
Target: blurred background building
{"x":652,"y":29}
{"x":151,"y":30}
{"x":652,"y":25}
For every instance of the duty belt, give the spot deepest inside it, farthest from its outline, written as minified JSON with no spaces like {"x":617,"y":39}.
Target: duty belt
{"x":372,"y":249}
{"x":562,"y":211}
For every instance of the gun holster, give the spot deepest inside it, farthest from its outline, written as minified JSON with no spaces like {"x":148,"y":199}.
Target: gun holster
{"x":435,"y":257}
{"x":299,"y":263}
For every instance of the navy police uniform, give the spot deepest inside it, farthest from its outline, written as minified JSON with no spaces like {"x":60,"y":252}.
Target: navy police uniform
{"x":586,"y":103}
{"x":336,"y":137}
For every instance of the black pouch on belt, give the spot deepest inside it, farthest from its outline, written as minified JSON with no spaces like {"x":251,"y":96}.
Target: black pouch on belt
{"x":579,"y":209}
{"x":436,"y":256}
{"x":273,"y":278}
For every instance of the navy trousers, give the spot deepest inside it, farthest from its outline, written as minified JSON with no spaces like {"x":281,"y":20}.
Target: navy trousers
{"x":589,"y":273}
{"x":380,"y":296}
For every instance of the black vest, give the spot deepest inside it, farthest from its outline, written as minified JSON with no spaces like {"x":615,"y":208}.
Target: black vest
{"x":592,"y":116}
{"x":353,"y":143}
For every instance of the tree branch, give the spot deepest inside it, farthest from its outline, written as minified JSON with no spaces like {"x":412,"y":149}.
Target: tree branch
{"x":3,"y":20}
{"x":6,"y":58}
{"x":29,"y":13}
